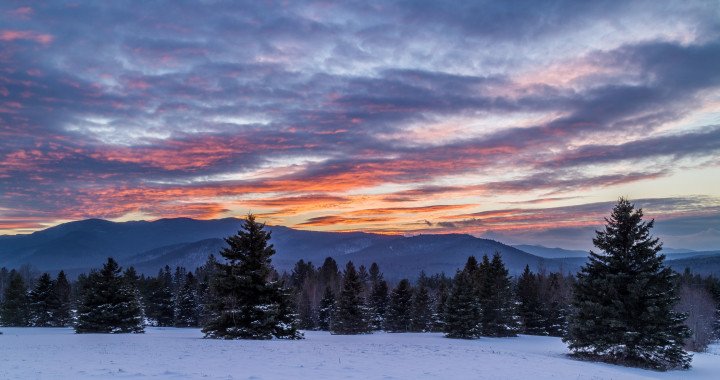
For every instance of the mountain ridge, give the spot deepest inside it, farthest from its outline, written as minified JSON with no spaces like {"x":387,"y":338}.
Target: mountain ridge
{"x":78,"y":246}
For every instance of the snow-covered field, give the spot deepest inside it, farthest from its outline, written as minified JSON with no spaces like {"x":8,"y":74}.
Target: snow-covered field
{"x":59,"y":353}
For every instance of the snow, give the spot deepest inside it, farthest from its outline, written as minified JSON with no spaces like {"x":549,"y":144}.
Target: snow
{"x":169,"y":353}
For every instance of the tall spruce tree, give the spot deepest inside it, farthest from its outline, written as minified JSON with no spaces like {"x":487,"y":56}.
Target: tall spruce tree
{"x":159,"y":300}
{"x":110,"y":303}
{"x":186,"y":303}
{"x":43,"y":302}
{"x":421,"y":313}
{"x":62,"y":315}
{"x":499,"y":317}
{"x":248,"y":304}
{"x":326,"y":309}
{"x":441,"y":297}
{"x":350,"y":315}
{"x":14,"y":311}
{"x":556,"y":304}
{"x":530,"y":308}
{"x":462,"y":309}
{"x":623,"y":299}
{"x":398,"y":317}
{"x":378,"y":298}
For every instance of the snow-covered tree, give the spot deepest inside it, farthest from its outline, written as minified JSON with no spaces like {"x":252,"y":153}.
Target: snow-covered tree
{"x":378,"y":298}
{"x":248,"y":305}
{"x":109,"y":303}
{"x":325,"y":309}
{"x":623,"y":299}
{"x":186,"y":303}
{"x":397,"y":318}
{"x":62,"y":315}
{"x":159,"y":299}
{"x":530,"y":308}
{"x":421,"y":310}
{"x":350,"y":315}
{"x":499,"y":317}
{"x":43,"y":302}
{"x":462,"y":309}
{"x":14,"y":309}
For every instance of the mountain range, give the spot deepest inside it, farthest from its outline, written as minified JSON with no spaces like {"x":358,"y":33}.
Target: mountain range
{"x":79,"y":246}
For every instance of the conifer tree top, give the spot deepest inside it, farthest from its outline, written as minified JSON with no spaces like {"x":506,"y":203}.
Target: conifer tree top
{"x":625,"y":232}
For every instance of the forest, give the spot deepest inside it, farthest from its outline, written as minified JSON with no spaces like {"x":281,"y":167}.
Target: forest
{"x":538,"y":302}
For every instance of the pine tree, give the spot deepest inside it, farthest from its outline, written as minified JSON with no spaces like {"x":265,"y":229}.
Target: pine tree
{"x":397,"y":318}
{"x":43,"y":302}
{"x":556,"y":305}
{"x":303,"y":282}
{"x":159,"y":301}
{"x":497,"y":300}
{"x":206,"y":275}
{"x":62,"y":315}
{"x":421,"y":310}
{"x":623,"y":299}
{"x":249,"y":305}
{"x":186,"y":304}
{"x":110,"y":303}
{"x":441,"y":296}
{"x":325,"y":310}
{"x":14,"y":311}
{"x":530,"y":307}
{"x":462,"y":309}
{"x":329,"y":275}
{"x":378,"y":298}
{"x":349,"y":316}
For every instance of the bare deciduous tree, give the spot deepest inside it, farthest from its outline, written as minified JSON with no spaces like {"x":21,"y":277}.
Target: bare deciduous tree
{"x":700,"y":306}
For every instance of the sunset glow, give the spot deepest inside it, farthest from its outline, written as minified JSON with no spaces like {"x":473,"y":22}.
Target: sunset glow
{"x":522,"y":123}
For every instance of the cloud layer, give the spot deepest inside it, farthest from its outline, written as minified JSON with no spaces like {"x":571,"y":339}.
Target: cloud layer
{"x":392,"y":116}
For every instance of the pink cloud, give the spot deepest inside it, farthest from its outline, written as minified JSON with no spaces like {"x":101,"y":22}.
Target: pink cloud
{"x":23,"y":13}
{"x":12,"y":35}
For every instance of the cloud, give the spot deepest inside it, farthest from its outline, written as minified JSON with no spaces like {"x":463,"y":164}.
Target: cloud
{"x":12,"y":35}
{"x":333,"y":115}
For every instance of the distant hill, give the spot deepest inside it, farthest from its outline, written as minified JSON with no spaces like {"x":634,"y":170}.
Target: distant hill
{"x":79,"y":246}
{"x":550,"y":253}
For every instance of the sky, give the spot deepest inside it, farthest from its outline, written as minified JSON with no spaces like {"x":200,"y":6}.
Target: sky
{"x":521,"y":121}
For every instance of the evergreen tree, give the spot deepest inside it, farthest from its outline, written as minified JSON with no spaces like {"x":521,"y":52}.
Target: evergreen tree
{"x":329,"y":275}
{"x":441,"y":297}
{"x":374,"y":274}
{"x":186,"y":304}
{"x":206,"y":275}
{"x":4,"y":281}
{"x":556,"y":305}
{"x":462,"y":309}
{"x":248,"y":305}
{"x":421,"y":310}
{"x":62,"y":315}
{"x":530,"y":307}
{"x":110,"y":303}
{"x":159,"y":300}
{"x":326,"y":308}
{"x":397,"y":318}
{"x":499,"y":317}
{"x":303,"y":281}
{"x":349,"y":316}
{"x":378,"y":298}
{"x":14,"y":311}
{"x":623,"y":299}
{"x":43,"y":302}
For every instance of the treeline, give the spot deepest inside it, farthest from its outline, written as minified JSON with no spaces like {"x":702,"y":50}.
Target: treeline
{"x":479,"y":300}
